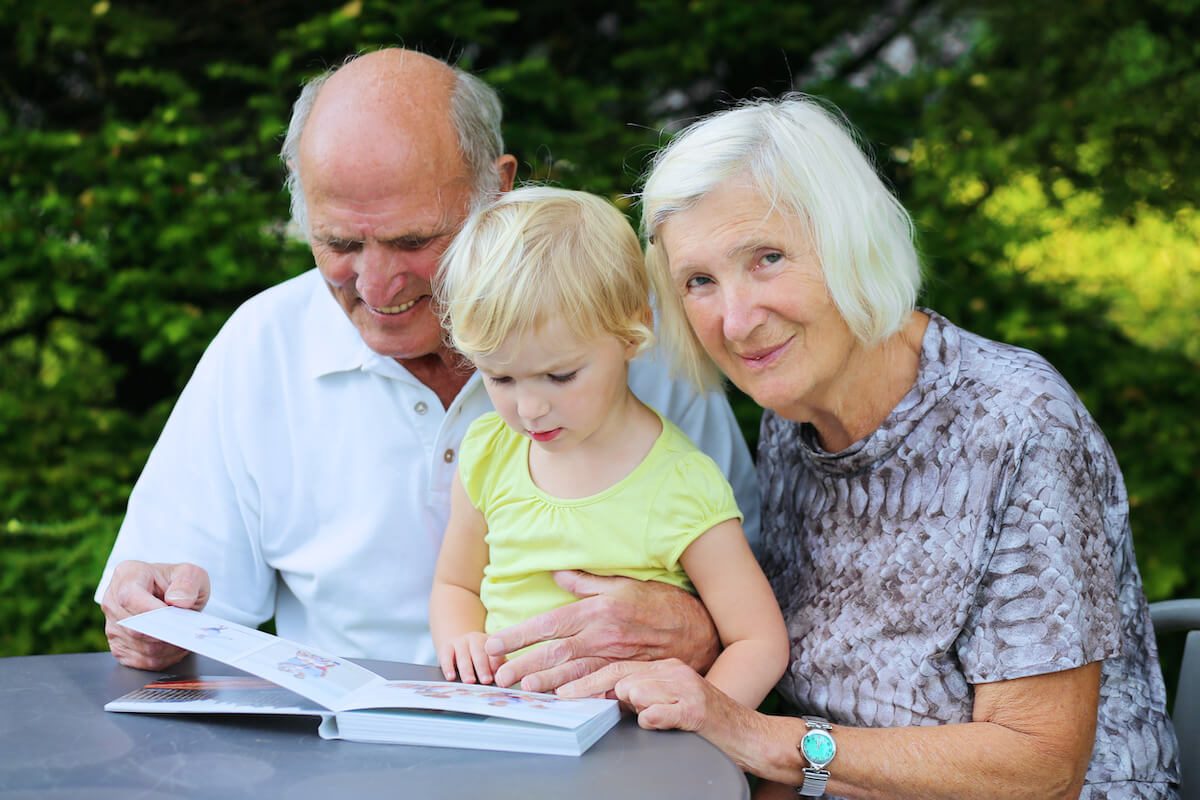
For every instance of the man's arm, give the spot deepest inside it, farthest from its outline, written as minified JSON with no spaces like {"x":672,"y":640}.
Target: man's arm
{"x":188,"y":512}
{"x":616,"y":619}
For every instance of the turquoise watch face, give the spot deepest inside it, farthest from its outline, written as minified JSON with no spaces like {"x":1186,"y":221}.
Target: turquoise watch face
{"x":818,"y":747}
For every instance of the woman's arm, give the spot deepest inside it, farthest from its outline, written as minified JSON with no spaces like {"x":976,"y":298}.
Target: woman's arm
{"x":456,"y":614}
{"x":1029,"y":738}
{"x":743,"y":607}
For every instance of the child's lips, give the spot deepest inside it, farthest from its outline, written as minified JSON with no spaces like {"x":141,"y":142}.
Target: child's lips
{"x":545,"y":436}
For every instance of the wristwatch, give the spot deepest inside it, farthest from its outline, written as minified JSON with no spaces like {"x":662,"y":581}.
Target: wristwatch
{"x":818,"y":747}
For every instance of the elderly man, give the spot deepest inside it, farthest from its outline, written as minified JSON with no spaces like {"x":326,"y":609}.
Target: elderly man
{"x":305,"y":471}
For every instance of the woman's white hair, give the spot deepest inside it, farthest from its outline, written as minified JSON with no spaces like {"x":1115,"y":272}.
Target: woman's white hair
{"x":804,"y":159}
{"x":475,"y":113}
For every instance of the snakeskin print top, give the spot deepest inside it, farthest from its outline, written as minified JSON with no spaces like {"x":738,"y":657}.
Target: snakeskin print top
{"x":980,"y":534}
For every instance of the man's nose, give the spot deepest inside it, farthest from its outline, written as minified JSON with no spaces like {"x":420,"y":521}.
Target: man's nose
{"x":380,"y":273}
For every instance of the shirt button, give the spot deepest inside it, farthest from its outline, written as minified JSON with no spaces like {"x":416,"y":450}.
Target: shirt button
{"x":448,"y":455}
{"x":420,"y":408}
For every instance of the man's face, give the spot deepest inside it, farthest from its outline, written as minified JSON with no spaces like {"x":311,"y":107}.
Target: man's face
{"x":377,"y":230}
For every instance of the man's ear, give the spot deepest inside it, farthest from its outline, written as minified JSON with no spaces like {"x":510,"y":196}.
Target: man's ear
{"x":506,"y":168}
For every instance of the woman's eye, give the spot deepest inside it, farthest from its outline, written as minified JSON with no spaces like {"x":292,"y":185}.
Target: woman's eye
{"x":771,"y":258}
{"x":565,"y":377}
{"x":696,"y":281}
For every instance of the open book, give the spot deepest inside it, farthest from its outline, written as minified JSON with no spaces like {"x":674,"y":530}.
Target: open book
{"x":353,"y":702}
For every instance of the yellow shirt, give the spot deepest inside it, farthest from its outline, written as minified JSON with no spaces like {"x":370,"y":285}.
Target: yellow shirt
{"x":637,"y":528}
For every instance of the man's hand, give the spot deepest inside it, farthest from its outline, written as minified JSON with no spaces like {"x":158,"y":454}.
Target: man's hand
{"x":137,"y":587}
{"x":617,"y":619}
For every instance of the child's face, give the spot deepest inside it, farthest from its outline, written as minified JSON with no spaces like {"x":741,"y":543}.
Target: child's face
{"x":560,"y":390}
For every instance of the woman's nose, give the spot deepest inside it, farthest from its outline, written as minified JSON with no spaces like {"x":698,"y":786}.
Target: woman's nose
{"x":742,"y":312}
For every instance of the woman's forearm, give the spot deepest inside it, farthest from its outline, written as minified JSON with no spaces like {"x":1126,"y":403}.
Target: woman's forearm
{"x":1031,"y":738}
{"x":971,"y":761}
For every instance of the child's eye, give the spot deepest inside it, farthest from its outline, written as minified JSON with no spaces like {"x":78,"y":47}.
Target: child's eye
{"x":564,"y":378}
{"x":499,"y":379}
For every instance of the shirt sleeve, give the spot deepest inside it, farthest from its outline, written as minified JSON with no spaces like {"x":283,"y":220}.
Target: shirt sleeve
{"x":708,"y":421}
{"x":693,"y":497}
{"x":194,"y":503}
{"x":1047,"y":600}
{"x":481,"y":446}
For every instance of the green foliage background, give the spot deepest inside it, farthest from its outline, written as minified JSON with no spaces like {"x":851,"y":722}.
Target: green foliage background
{"x":1048,"y":150}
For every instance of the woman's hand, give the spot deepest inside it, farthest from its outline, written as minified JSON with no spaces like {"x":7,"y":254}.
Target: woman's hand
{"x":670,"y":694}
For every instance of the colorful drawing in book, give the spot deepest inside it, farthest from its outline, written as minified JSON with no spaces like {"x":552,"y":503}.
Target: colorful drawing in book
{"x":491,"y":695}
{"x":307,"y":665}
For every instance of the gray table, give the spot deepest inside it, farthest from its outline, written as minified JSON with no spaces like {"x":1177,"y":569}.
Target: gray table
{"x":56,"y":741}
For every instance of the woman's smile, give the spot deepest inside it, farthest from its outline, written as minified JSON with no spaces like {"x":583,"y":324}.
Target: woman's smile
{"x":764,"y":357}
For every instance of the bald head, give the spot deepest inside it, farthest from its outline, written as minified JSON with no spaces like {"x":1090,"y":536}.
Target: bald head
{"x":390,"y":111}
{"x":384,"y":115}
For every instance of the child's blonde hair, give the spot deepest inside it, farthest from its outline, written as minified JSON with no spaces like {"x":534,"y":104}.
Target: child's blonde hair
{"x":537,"y":253}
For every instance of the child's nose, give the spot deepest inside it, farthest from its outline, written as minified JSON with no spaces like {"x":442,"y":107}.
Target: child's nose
{"x":531,"y":405}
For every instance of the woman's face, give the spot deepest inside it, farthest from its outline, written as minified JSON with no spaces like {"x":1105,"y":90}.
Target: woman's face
{"x":754,"y":293}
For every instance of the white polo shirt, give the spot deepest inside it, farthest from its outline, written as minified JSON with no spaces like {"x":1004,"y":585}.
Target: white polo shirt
{"x":310,"y":476}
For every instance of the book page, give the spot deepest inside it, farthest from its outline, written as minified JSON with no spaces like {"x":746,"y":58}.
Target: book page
{"x":493,"y":701}
{"x":320,"y":677}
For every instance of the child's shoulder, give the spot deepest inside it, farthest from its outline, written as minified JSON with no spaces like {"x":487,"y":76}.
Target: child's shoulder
{"x":486,"y":424}
{"x":487,"y":434}
{"x":675,"y":446}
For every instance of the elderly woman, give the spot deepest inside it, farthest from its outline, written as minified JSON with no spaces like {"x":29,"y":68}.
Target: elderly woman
{"x":944,"y":525}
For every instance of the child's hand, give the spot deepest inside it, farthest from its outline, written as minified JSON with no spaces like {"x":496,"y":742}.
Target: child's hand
{"x":466,"y":657}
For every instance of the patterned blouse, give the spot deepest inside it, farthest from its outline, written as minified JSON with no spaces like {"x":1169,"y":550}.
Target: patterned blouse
{"x":980,"y":534}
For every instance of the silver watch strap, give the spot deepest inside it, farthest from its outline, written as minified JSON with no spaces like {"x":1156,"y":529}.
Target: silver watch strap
{"x":814,"y":782}
{"x":811,"y":721}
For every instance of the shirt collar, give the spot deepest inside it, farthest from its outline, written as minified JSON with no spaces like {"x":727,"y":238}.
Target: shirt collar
{"x":331,"y":342}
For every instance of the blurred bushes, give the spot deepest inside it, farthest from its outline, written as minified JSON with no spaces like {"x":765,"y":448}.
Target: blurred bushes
{"x":1046,"y":150}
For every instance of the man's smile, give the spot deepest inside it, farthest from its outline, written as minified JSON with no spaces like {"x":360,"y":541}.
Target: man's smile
{"x":393,"y":309}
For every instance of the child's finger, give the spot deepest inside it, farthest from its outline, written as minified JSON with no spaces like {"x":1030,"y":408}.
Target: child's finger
{"x":462,"y":653}
{"x":483,"y":666}
{"x":446,"y":660}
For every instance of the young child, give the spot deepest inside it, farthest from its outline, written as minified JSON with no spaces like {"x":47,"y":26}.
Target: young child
{"x":546,"y":292}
